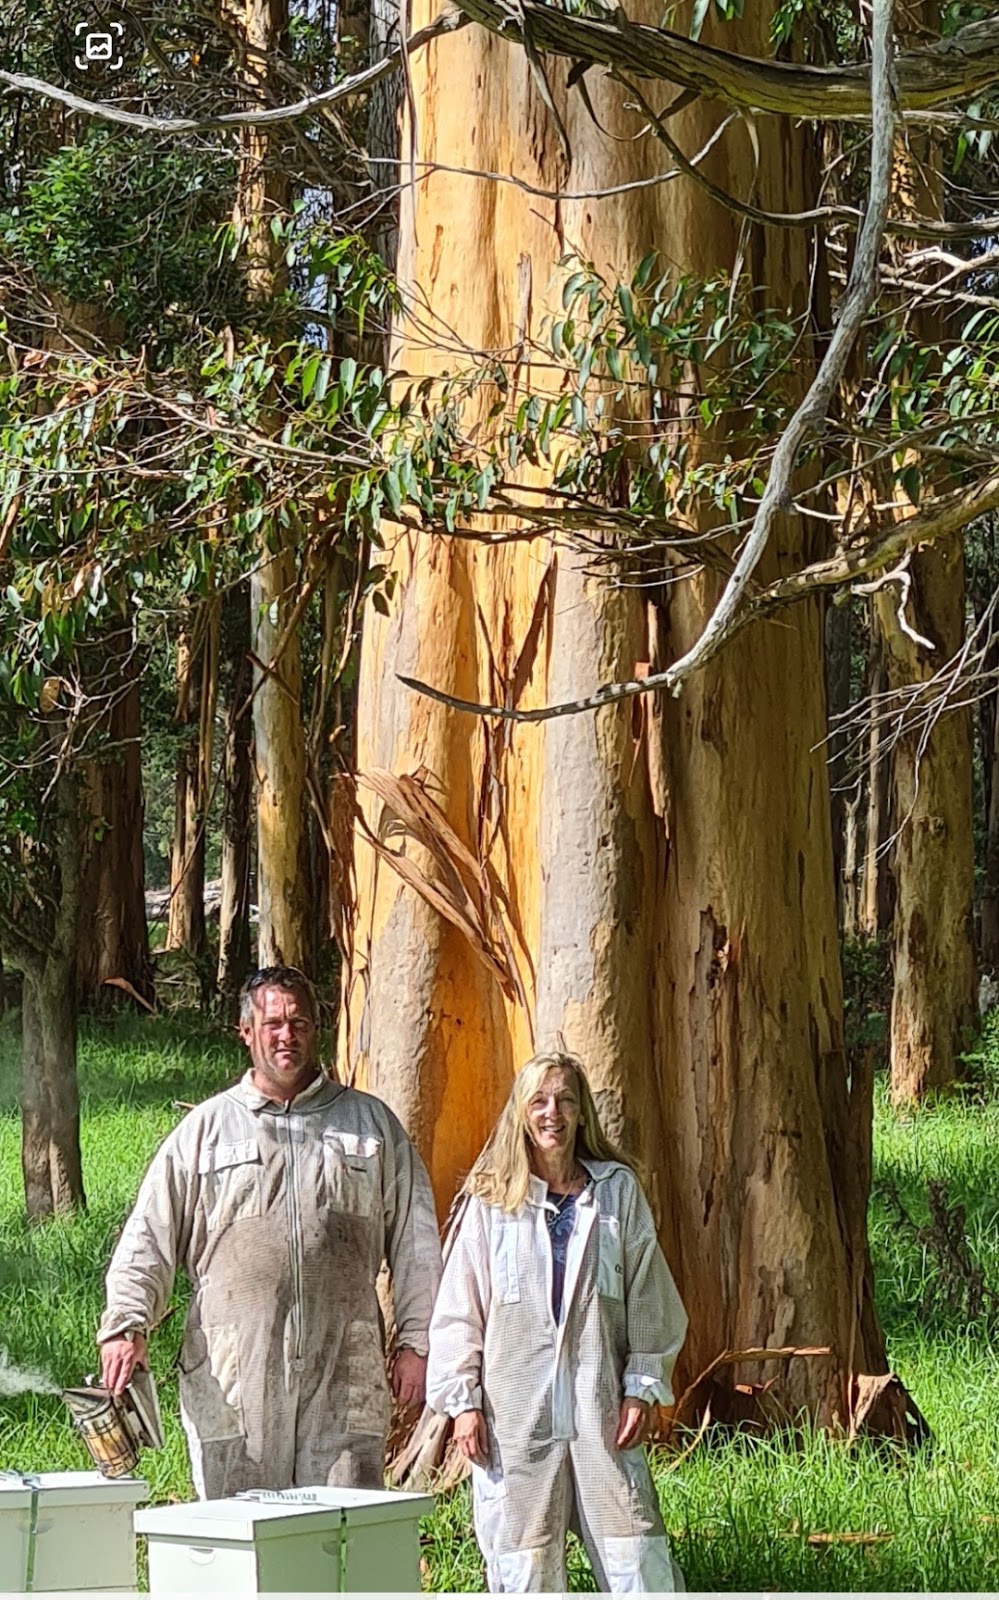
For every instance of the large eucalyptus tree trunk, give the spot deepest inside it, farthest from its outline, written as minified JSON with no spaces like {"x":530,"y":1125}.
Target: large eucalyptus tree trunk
{"x":668,"y":865}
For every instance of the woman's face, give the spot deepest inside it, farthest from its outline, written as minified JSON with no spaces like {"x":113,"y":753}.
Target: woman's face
{"x":553,"y":1114}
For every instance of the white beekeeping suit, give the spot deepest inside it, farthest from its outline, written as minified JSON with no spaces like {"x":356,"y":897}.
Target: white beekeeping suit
{"x":552,"y":1393}
{"x":281,"y":1216}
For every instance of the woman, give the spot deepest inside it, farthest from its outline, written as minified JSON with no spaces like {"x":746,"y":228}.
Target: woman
{"x":555,"y":1329}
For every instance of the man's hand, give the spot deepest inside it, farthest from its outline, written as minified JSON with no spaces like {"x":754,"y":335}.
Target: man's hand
{"x":471,"y":1438}
{"x":409,"y":1378}
{"x":631,"y":1424}
{"x":119,"y":1359}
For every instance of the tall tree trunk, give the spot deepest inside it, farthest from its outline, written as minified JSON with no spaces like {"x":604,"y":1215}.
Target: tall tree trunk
{"x":50,"y":1099}
{"x":279,"y":738}
{"x":934,"y":999}
{"x":668,"y":865}
{"x":114,"y":938}
{"x":280,"y":762}
{"x":197,"y":688}
{"x":237,"y":782}
{"x":849,"y":873}
{"x":990,"y":895}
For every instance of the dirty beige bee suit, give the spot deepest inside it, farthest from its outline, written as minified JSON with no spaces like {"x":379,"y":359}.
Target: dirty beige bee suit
{"x":281,"y":1217}
{"x":552,"y":1393}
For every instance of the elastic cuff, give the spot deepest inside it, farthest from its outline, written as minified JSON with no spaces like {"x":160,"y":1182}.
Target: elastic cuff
{"x":453,"y":1400}
{"x":639,"y":1386}
{"x":418,"y":1343}
{"x":473,"y":1403}
{"x":119,"y":1328}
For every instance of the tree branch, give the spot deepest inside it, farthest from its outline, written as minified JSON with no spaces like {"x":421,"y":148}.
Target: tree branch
{"x":108,"y":111}
{"x":948,"y":516}
{"x":943,"y":74}
{"x":861,"y":290}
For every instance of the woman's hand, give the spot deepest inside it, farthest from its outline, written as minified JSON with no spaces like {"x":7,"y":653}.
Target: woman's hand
{"x":631,"y":1423}
{"x":471,"y":1438}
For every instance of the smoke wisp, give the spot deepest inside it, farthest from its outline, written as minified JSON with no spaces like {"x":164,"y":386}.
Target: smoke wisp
{"x":23,"y":1380}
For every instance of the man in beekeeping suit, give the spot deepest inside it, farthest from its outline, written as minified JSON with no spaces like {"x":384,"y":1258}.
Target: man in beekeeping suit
{"x":280,"y":1198}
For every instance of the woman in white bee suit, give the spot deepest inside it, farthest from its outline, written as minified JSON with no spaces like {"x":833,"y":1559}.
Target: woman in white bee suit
{"x":556,"y":1327}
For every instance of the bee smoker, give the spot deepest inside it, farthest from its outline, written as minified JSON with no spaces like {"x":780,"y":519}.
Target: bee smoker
{"x":115,"y":1427}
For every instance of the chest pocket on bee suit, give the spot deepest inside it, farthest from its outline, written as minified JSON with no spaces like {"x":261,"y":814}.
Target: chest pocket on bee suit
{"x":231,"y":1178}
{"x":610,"y":1259}
{"x":352,"y":1170}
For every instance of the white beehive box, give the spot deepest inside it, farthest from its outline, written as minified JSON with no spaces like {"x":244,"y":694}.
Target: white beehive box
{"x":305,"y":1540}
{"x":78,"y":1535}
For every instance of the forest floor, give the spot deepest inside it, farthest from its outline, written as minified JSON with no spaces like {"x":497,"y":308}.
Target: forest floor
{"x":744,"y":1513}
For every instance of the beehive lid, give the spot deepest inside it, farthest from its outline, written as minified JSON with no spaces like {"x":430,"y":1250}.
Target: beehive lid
{"x":16,"y":1493}
{"x":73,"y":1488}
{"x":236,"y":1521}
{"x":368,"y":1505}
{"x":277,"y":1513}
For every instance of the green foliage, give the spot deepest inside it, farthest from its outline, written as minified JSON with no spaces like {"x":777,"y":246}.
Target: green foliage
{"x":128,"y":227}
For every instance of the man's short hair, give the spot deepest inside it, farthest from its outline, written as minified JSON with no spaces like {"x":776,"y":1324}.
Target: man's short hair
{"x":290,"y":978}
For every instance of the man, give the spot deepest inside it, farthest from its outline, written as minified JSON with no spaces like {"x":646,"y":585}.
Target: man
{"x":280,"y":1198}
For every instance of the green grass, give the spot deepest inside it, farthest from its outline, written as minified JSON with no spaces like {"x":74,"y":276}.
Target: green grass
{"x":740,"y":1509}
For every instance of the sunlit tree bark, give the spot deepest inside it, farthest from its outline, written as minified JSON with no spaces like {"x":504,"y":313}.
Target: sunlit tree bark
{"x":667,"y":866}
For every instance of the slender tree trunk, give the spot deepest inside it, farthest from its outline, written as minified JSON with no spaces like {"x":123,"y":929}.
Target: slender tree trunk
{"x":283,"y":885}
{"x":197,"y":691}
{"x":237,"y":781}
{"x":934,"y":1001}
{"x":667,"y":865}
{"x":875,"y":913}
{"x":50,"y":1100}
{"x":279,"y":758}
{"x":990,"y":896}
{"x":849,"y":870}
{"x":186,"y":920}
{"x":114,"y":938}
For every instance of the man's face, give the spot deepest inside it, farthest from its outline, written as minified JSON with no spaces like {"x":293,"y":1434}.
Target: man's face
{"x":281,"y":1039}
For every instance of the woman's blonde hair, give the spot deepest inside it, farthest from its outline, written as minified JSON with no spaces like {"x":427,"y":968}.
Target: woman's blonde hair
{"x":501,"y":1174}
